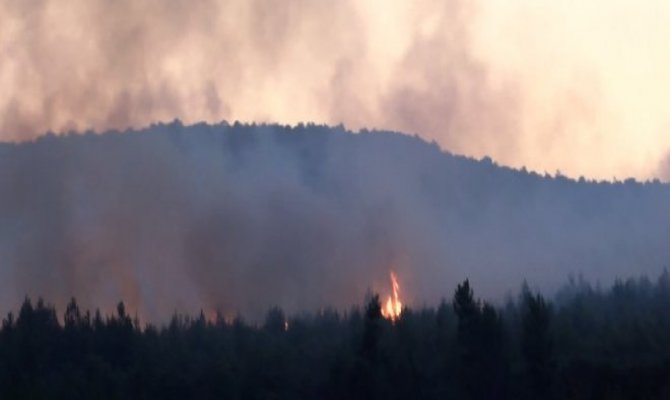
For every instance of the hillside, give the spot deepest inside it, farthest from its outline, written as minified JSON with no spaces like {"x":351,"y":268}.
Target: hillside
{"x":243,"y":217}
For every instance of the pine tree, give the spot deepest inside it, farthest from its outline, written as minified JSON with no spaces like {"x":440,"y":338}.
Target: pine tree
{"x":537,"y":344}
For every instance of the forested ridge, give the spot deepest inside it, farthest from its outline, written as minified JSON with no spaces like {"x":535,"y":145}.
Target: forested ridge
{"x":587,"y":343}
{"x":242,"y":217}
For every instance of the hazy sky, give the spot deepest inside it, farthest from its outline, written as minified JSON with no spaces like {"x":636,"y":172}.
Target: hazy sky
{"x":570,"y":85}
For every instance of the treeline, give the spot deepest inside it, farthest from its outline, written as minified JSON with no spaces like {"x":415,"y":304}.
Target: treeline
{"x":587,"y":343}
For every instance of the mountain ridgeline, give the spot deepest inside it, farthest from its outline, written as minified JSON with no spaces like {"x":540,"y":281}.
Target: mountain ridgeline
{"x":239,"y":218}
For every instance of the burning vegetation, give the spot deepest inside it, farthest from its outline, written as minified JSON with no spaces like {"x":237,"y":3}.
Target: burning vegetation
{"x":393,"y":306}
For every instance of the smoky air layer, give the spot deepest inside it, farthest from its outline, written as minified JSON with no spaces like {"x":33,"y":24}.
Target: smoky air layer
{"x":241,"y":218}
{"x":541,"y":84}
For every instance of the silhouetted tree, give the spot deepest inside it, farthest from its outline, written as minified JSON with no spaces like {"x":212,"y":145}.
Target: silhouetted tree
{"x":467,"y":309}
{"x":72,"y":317}
{"x":275,"y":320}
{"x":537,"y":344}
{"x":366,"y":368}
{"x":482,"y":365}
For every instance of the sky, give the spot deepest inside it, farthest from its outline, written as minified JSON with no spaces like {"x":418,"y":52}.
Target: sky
{"x":570,"y":86}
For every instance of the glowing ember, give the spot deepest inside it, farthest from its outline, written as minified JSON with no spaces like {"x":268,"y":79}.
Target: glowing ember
{"x":393,"y":307}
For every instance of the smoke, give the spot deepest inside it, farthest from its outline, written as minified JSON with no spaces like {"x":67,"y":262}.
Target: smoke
{"x":537,"y":83}
{"x":235,"y":220}
{"x":664,"y":168}
{"x":242,"y":218}
{"x":112,"y":65}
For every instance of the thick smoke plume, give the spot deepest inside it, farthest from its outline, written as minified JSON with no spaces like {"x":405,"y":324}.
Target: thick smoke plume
{"x":541,"y":84}
{"x":242,"y":218}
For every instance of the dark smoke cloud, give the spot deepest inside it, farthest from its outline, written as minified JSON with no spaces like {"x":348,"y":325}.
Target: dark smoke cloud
{"x":243,"y":218}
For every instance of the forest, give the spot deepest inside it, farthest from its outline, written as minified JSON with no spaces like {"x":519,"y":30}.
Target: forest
{"x":587,"y":342}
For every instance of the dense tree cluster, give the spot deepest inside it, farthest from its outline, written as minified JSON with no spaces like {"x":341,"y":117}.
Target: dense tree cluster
{"x":588,"y":343}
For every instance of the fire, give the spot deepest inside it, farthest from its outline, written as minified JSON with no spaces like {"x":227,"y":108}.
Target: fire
{"x":393,"y":307}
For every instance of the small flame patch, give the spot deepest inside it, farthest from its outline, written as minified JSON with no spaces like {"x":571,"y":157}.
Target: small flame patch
{"x":393,"y":306}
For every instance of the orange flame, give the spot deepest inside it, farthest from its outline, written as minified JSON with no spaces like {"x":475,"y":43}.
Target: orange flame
{"x":393,"y":307}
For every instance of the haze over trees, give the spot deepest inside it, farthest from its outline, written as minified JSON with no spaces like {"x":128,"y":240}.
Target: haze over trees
{"x":240,"y":218}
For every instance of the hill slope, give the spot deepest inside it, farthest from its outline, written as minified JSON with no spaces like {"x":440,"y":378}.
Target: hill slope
{"x":243,"y":217}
